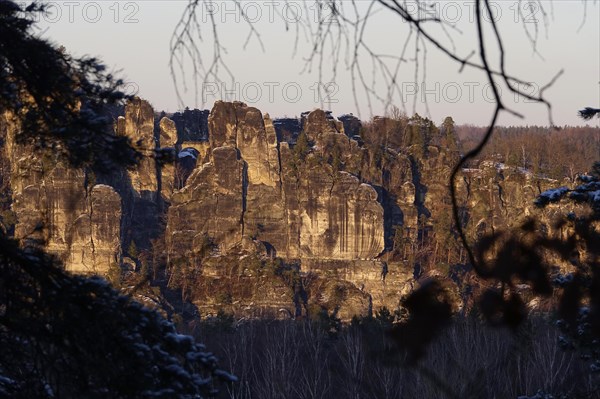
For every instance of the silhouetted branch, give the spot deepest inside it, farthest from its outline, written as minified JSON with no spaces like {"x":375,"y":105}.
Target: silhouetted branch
{"x":588,"y":113}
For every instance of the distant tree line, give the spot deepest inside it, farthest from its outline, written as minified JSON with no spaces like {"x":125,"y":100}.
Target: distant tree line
{"x":554,"y":153}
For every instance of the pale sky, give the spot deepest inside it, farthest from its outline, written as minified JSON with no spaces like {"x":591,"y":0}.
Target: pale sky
{"x":134,"y":36}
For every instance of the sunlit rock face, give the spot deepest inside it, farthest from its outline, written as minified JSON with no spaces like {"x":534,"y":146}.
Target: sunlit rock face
{"x":350,"y":213}
{"x":241,"y":181}
{"x":319,"y":123}
{"x":500,"y":197}
{"x":105,"y":220}
{"x":338,"y":217}
{"x":211,"y":204}
{"x":313,"y":214}
{"x":384,"y":283}
{"x":254,"y":196}
{"x":61,"y":209}
{"x":168,"y":141}
{"x":331,"y":214}
{"x":90,"y":244}
{"x":139,"y":128}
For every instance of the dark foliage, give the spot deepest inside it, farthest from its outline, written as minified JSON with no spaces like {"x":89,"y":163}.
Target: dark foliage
{"x":60,"y":101}
{"x":429,"y":312}
{"x":65,"y":336}
{"x":588,"y":113}
{"x":71,"y":336}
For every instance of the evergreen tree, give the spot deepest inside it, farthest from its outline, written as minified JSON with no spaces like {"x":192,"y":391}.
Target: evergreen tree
{"x":72,"y":336}
{"x":414,"y":133}
{"x":448,"y":132}
{"x":61,"y":102}
{"x":302,"y":146}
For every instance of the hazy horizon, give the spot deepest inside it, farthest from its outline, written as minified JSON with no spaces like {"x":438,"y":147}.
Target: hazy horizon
{"x":134,"y":37}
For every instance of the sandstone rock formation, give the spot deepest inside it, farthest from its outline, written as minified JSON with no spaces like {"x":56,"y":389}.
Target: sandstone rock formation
{"x":168,"y":140}
{"x":61,"y":209}
{"x":261,"y":216}
{"x":500,"y":197}
{"x":320,"y":214}
{"x":138,"y":126}
{"x":211,"y":204}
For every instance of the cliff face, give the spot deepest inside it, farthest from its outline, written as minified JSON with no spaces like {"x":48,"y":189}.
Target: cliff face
{"x":61,"y":209}
{"x":211,"y":204}
{"x":252,"y":190}
{"x":269,"y":217}
{"x":139,"y":127}
{"x":501,"y":197}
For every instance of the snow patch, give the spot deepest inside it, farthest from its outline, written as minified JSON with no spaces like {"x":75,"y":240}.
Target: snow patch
{"x":188,"y":152}
{"x":552,"y":195}
{"x":586,"y":178}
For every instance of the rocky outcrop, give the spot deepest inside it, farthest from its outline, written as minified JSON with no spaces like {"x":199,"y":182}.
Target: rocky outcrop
{"x":210,"y":205}
{"x":271,"y":217}
{"x":318,"y":213}
{"x":105,"y":218}
{"x":337,"y":217}
{"x":61,"y":209}
{"x":256,"y":195}
{"x":138,"y":126}
{"x":500,"y":197}
{"x":168,"y":141}
{"x":384,"y":283}
{"x":319,"y":123}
